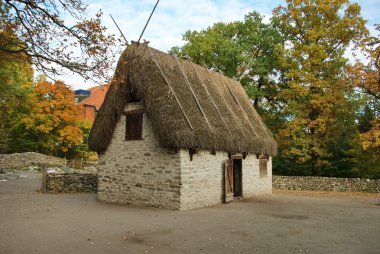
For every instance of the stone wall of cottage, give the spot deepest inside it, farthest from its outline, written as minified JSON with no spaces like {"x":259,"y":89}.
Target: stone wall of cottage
{"x":142,"y":173}
{"x":139,"y":172}
{"x":313,"y":183}
{"x":255,"y":185}
{"x":203,"y":178}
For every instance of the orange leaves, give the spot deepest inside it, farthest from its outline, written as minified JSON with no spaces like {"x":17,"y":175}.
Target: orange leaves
{"x":70,"y":135}
{"x":54,"y":117}
{"x":371,"y":138}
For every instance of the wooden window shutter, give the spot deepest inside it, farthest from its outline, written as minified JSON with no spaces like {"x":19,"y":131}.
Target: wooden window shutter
{"x":263,"y":165}
{"x":133,"y":126}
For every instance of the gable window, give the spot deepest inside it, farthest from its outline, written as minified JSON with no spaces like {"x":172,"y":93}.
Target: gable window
{"x":133,"y":126}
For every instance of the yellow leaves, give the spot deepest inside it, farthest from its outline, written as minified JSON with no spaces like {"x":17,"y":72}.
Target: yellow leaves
{"x":296,"y":2}
{"x":353,"y":9}
{"x":70,"y":136}
{"x":371,"y":139}
{"x":319,"y":125}
{"x":296,"y":89}
{"x":54,"y":117}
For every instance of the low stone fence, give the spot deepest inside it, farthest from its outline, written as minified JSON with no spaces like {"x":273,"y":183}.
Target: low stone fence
{"x":69,"y":182}
{"x":312,"y":183}
{"x":19,"y":160}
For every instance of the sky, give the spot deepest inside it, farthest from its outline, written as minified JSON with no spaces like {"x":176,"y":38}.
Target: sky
{"x":173,"y":18}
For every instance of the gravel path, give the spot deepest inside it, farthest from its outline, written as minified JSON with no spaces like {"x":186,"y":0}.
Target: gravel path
{"x":32,"y":222}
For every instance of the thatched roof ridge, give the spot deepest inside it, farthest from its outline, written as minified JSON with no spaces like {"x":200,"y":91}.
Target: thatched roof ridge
{"x":188,"y":105}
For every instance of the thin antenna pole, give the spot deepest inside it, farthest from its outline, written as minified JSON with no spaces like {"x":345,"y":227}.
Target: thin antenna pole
{"x":148,"y":21}
{"x":126,"y":41}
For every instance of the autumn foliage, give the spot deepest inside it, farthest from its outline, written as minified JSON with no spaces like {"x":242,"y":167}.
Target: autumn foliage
{"x":54,"y":118}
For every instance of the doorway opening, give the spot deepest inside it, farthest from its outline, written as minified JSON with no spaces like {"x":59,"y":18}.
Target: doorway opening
{"x":233,"y":178}
{"x":238,"y":183}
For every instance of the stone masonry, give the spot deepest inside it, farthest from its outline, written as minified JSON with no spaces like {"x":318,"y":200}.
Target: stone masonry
{"x":255,"y":185}
{"x":312,"y":183}
{"x":142,"y":173}
{"x":203,"y":179}
{"x":71,"y":182}
{"x":139,"y":172}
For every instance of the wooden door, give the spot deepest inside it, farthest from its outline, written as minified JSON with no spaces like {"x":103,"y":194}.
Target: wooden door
{"x":228,"y":181}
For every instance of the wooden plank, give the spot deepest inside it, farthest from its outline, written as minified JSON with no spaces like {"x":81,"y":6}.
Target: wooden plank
{"x":228,"y":180}
{"x":237,"y":156}
{"x":133,"y":111}
{"x":133,"y":128}
{"x":263,"y":166}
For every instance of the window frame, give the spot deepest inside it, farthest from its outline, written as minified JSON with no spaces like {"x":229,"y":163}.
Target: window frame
{"x":137,"y":127}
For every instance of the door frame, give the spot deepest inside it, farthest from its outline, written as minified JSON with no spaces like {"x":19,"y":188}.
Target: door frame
{"x":229,"y":174}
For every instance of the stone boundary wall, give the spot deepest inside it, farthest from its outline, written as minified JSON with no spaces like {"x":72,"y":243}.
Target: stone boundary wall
{"x":312,"y":183}
{"x":69,"y":182}
{"x":19,"y":160}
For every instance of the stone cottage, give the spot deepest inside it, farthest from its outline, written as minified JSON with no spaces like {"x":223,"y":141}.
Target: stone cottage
{"x":175,"y":135}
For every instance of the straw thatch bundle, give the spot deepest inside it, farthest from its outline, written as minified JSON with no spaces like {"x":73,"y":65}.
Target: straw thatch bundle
{"x":188,"y":105}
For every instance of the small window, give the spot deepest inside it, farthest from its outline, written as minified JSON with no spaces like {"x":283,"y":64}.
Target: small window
{"x":133,"y":126}
{"x":263,"y":166}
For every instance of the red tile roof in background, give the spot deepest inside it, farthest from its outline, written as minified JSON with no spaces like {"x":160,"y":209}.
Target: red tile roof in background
{"x":94,"y":101}
{"x":98,"y":93}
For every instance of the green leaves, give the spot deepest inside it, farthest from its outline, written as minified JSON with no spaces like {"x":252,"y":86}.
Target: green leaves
{"x":16,"y":85}
{"x":241,"y":50}
{"x":295,"y":72}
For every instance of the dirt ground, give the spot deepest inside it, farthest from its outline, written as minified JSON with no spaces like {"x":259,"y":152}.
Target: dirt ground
{"x":286,"y":222}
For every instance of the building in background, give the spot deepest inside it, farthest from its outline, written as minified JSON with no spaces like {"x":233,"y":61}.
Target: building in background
{"x":90,"y":100}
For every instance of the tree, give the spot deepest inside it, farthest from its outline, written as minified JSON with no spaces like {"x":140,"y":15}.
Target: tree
{"x":241,"y":50}
{"x":36,"y":29}
{"x":16,"y":87}
{"x":54,"y":119}
{"x":295,"y":72}
{"x":318,"y":33}
{"x":366,"y":78}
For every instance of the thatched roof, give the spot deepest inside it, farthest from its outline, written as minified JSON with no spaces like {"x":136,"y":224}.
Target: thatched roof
{"x":188,"y":105}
